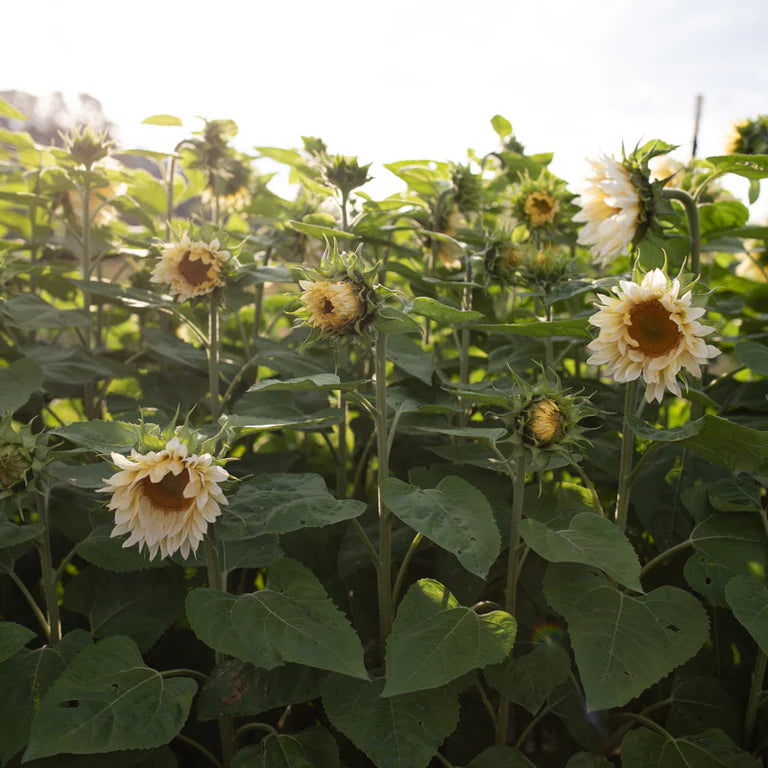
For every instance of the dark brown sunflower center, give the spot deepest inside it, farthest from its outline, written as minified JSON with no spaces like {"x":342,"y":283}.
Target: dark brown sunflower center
{"x":167,"y":494}
{"x":542,"y":205}
{"x":327,"y":306}
{"x":653,"y":328}
{"x":194,"y":272}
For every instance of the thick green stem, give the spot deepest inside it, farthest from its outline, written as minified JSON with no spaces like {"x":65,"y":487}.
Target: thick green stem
{"x":464,"y":337}
{"x":216,"y":580}
{"x":625,"y":465}
{"x":341,"y":437}
{"x":39,"y":615}
{"x":48,"y":571}
{"x":755,"y":691}
{"x":513,"y":573}
{"x":385,"y":518}
{"x":169,"y":198}
{"x":661,"y":557}
{"x":213,"y":359}
{"x":85,"y":271}
{"x":404,"y":567}
{"x":694,"y":226}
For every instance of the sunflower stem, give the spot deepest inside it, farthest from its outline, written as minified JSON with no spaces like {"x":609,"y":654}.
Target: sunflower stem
{"x":385,"y":518}
{"x":755,"y":692}
{"x":513,"y":573}
{"x":48,"y":571}
{"x":169,"y":198}
{"x":466,"y":305}
{"x":85,"y":270}
{"x":694,"y":226}
{"x":341,"y":437}
{"x":213,"y":359}
{"x":625,"y":465}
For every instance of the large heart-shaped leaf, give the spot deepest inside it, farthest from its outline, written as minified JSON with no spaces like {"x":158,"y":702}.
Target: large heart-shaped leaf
{"x":644,"y":748}
{"x":13,"y":637}
{"x":455,"y":515}
{"x":313,"y":748}
{"x":283,"y":502}
{"x":106,"y":700}
{"x":623,"y":644}
{"x":291,"y":619}
{"x":435,"y":640}
{"x":748,"y":599}
{"x":17,"y":382}
{"x":398,"y":732}
{"x":735,"y":541}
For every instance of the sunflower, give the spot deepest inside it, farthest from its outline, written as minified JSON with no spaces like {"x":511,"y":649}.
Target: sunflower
{"x":540,"y":208}
{"x":191,"y":269}
{"x":166,"y":499}
{"x":611,"y":208}
{"x":333,"y":306}
{"x":648,"y":330}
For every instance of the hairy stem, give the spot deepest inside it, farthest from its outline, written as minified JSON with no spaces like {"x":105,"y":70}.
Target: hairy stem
{"x":625,"y":464}
{"x":213,"y":359}
{"x":694,"y":226}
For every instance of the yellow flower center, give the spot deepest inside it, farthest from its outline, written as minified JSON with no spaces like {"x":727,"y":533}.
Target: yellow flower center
{"x":540,"y":208}
{"x":167,"y":494}
{"x":654,"y":330}
{"x":545,"y":422}
{"x":195,"y":272}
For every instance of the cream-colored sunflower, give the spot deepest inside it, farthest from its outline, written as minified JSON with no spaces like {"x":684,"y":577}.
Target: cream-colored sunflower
{"x":165,"y":499}
{"x":611,"y":208}
{"x":667,"y":169}
{"x":540,"y":208}
{"x":333,"y":306}
{"x":191,"y":269}
{"x":545,"y":421}
{"x":648,"y":330}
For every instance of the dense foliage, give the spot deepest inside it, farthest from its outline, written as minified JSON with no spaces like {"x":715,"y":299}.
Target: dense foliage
{"x":334,"y":481}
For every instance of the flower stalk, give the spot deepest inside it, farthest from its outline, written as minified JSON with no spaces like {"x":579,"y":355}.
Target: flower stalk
{"x":625,"y":463}
{"x":85,"y":270}
{"x":694,"y":225}
{"x":48,"y":571}
{"x":213,"y":359}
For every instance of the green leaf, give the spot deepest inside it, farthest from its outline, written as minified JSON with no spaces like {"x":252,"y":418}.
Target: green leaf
{"x":6,"y":110}
{"x":623,"y":644}
{"x":753,"y":355}
{"x":318,"y":382}
{"x":141,"y":605}
{"x":313,"y":748}
{"x":567,"y":328}
{"x":748,"y":600}
{"x":291,"y":619}
{"x":443,"y":313}
{"x":107,"y":699}
{"x":321,"y":233}
{"x":13,"y":637}
{"x":278,"y":410}
{"x":748,"y":166}
{"x":101,"y":436}
{"x":175,"y":350}
{"x":72,"y":366}
{"x":720,"y":217}
{"x":391,"y":321}
{"x":699,"y":703}
{"x":250,"y":274}
{"x":502,"y":126}
{"x":644,"y":748}
{"x":29,"y":312}
{"x":588,"y":538}
{"x":397,"y":732}
{"x":734,"y":540}
{"x":99,"y":548}
{"x":455,"y":516}
{"x":238,"y":689}
{"x":500,"y":757}
{"x":12,"y":534}
{"x":588,"y":760}
{"x":17,"y":382}
{"x":435,"y":640}
{"x":411,"y":357}
{"x":735,"y":494}
{"x":283,"y":502}
{"x":529,"y":679}
{"x":24,"y":679}
{"x":162,"y":120}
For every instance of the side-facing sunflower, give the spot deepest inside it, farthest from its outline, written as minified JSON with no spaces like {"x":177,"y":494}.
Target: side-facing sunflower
{"x":648,"y":330}
{"x":191,"y":269}
{"x":165,"y":499}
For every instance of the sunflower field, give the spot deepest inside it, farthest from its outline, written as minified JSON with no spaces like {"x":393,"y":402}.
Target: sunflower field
{"x":469,"y":476}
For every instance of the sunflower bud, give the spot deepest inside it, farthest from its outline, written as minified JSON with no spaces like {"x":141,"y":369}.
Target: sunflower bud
{"x":540,"y":208}
{"x":469,"y":189}
{"x":545,"y":422}
{"x":86,"y":146}
{"x":502,"y":260}
{"x":346,"y":174}
{"x":14,"y":463}
{"x":749,"y":137}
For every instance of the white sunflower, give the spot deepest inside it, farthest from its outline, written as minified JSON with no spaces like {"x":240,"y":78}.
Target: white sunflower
{"x":333,"y":306}
{"x":648,"y":330}
{"x":166,"y":499}
{"x":611,"y":208}
{"x":191,"y":269}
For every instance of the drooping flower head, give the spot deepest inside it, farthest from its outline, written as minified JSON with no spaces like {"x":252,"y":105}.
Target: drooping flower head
{"x":191,"y":269}
{"x":165,"y":499}
{"x":338,"y":299}
{"x":649,"y":330}
{"x":620,"y":202}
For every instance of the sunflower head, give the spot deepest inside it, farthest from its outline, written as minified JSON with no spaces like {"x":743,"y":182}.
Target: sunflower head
{"x":468,"y":186}
{"x":544,"y":420}
{"x":191,"y":269}
{"x":86,"y":145}
{"x":749,"y":137}
{"x":539,"y":202}
{"x":346,"y":174}
{"x":503,"y":257}
{"x":338,"y":298}
{"x":165,"y":498}
{"x":546,"y":269}
{"x":21,"y":451}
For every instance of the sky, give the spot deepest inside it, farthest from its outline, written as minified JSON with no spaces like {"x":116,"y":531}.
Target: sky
{"x":405,"y":78}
